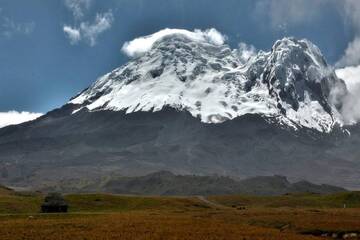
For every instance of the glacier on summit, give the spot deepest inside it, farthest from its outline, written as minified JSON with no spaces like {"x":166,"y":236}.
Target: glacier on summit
{"x":197,"y":72}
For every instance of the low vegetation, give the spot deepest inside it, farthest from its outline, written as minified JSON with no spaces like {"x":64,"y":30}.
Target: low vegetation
{"x":336,"y":200}
{"x":106,"y":216}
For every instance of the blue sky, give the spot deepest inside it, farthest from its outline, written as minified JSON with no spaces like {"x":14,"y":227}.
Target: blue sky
{"x":50,"y":50}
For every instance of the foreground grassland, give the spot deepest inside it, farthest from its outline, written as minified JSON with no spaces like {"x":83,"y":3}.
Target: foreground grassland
{"x":100,"y":216}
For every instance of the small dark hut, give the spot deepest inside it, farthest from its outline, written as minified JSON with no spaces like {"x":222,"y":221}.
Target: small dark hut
{"x":54,"y":203}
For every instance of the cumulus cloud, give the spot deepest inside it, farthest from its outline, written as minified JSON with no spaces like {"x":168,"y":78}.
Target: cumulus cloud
{"x":351,"y":76}
{"x":351,"y":102}
{"x":246,"y":51}
{"x":14,"y":117}
{"x":73,"y":34}
{"x":351,"y":56}
{"x":141,"y":45}
{"x":214,"y":36}
{"x":351,"y":107}
{"x":78,"y":7}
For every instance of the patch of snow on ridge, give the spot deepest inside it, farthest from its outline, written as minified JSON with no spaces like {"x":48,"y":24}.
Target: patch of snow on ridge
{"x":195,"y":72}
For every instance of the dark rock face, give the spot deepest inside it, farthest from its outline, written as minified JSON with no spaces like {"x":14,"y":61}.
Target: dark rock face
{"x":92,"y":145}
{"x":295,"y":68}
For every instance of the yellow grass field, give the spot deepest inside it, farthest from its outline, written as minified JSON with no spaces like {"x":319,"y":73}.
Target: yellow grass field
{"x":100,"y":216}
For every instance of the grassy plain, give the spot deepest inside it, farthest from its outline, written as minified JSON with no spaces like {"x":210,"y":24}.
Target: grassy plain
{"x":104,"y":216}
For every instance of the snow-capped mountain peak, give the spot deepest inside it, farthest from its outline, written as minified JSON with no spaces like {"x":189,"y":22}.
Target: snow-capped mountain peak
{"x":292,"y":83}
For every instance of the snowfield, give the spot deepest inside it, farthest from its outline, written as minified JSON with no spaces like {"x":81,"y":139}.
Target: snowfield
{"x":198,"y":73}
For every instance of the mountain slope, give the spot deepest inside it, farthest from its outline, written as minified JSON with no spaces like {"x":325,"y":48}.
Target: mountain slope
{"x":292,"y":82}
{"x":166,"y":183}
{"x":194,"y":107}
{"x":95,"y":144}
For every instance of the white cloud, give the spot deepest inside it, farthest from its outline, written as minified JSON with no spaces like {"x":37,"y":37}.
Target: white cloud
{"x":87,"y":31}
{"x":246,"y":51}
{"x":214,"y":36}
{"x":91,"y":31}
{"x":351,"y":76}
{"x":73,"y":34}
{"x":351,"y":56}
{"x":14,"y":117}
{"x":141,"y":45}
{"x":351,"y":107}
{"x":78,"y":7}
{"x":351,"y":103}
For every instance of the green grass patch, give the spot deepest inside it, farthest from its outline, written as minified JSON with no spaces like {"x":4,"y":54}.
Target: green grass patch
{"x":21,"y":203}
{"x":111,"y":203}
{"x":350,"y":199}
{"x":16,"y":203}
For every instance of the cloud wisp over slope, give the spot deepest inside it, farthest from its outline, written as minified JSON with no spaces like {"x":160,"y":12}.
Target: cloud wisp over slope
{"x":141,"y":45}
{"x":14,"y":117}
{"x":351,"y":103}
